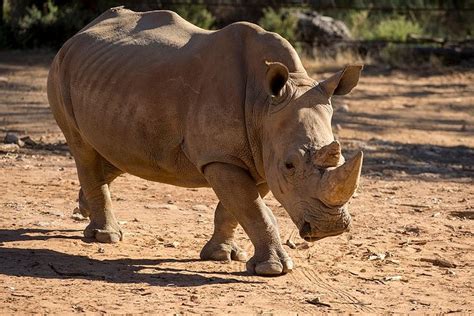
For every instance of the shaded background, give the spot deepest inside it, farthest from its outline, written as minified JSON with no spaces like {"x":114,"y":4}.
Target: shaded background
{"x":390,"y":31}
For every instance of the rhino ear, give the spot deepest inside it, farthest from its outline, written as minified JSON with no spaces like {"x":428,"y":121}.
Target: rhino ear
{"x":276,"y":77}
{"x":342,"y":82}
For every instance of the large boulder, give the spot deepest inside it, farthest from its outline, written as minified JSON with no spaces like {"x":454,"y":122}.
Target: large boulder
{"x":319,"y":30}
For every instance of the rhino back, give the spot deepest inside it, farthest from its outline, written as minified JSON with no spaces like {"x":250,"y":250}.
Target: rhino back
{"x":159,"y":97}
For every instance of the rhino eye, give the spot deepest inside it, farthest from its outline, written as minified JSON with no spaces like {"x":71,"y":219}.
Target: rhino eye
{"x":289,"y":166}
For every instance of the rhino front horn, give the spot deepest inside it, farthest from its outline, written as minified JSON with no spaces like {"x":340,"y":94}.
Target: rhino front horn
{"x":339,"y":184}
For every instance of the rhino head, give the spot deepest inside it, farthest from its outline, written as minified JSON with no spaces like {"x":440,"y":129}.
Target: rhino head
{"x":303,"y":163}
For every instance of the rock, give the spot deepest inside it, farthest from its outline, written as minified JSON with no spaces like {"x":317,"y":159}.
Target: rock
{"x":101,"y":250}
{"x":9,"y":148}
{"x":200,"y":208}
{"x":173,"y":244}
{"x":11,"y":138}
{"x":321,"y":31}
{"x":393,"y":278}
{"x":77,"y":216}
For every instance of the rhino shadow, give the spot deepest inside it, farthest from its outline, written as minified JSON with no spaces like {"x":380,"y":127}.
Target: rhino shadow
{"x":51,"y":264}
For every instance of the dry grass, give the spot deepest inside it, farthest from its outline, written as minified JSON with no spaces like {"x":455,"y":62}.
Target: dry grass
{"x":333,"y":63}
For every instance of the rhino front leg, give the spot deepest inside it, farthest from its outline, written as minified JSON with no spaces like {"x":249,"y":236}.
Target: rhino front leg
{"x":221,"y":246}
{"x":239,"y":195}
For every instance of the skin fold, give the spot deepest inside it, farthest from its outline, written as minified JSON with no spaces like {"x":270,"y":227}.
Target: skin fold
{"x":152,"y":95}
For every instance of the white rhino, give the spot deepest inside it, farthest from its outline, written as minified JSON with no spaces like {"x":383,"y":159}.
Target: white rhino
{"x":152,"y":95}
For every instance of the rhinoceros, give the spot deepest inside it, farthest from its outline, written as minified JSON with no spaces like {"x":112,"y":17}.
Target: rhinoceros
{"x":152,"y":95}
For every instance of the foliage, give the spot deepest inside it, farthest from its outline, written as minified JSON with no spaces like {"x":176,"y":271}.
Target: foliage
{"x":48,"y":27}
{"x":396,"y":28}
{"x":281,"y":21}
{"x":197,"y":15}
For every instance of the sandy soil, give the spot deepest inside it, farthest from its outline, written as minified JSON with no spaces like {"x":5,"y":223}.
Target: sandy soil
{"x":410,"y":249}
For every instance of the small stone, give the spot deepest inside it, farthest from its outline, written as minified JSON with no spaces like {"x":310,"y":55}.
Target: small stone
{"x":173,"y":244}
{"x":393,"y":278}
{"x":101,"y":250}
{"x":77,"y":216}
{"x":200,"y":208}
{"x":11,"y":138}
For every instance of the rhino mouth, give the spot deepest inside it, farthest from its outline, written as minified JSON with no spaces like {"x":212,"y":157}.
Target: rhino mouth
{"x":310,"y":235}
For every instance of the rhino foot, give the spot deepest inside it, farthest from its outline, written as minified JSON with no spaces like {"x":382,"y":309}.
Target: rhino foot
{"x":107,"y":234}
{"x":275,"y":264}
{"x":222,"y":252}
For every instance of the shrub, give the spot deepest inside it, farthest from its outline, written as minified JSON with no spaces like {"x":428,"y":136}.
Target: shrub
{"x":282,"y":21}
{"x":50,"y":27}
{"x":396,"y":29}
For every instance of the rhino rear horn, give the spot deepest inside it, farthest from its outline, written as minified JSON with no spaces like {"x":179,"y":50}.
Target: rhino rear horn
{"x":339,"y":184}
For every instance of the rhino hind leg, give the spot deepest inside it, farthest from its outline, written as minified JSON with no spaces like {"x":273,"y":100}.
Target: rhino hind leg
{"x":110,"y":173}
{"x":95,"y":175}
{"x":221,"y":246}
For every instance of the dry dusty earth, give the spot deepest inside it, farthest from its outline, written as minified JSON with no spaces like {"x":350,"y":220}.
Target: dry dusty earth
{"x":410,"y":249}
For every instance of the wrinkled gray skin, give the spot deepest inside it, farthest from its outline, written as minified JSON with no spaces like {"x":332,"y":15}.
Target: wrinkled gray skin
{"x":152,"y":95}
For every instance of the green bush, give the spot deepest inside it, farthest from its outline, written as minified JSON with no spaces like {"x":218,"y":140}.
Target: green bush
{"x":197,"y":15}
{"x":368,"y":25}
{"x":281,"y":21}
{"x":51,"y":26}
{"x":396,"y":29}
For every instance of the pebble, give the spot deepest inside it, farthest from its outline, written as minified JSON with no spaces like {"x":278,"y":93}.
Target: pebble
{"x":78,"y":217}
{"x":12,"y":138}
{"x":101,"y":250}
{"x":200,"y":208}
{"x":173,"y":244}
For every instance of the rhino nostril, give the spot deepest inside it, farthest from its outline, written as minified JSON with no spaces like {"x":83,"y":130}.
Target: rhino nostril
{"x":305,"y":230}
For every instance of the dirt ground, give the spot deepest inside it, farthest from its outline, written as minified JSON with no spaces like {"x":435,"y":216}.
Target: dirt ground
{"x":411,"y":247}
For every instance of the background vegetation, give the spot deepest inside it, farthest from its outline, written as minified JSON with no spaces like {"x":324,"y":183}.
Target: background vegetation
{"x":49,"y":23}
